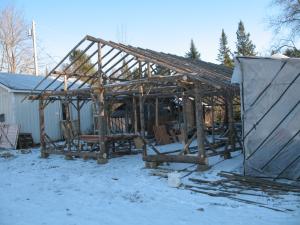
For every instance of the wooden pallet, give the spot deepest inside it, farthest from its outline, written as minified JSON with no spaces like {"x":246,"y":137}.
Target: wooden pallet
{"x":25,"y":140}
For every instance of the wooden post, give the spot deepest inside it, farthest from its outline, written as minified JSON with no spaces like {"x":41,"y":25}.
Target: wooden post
{"x":126,"y":118}
{"x":148,"y":118}
{"x":213,"y":120}
{"x":141,"y":103}
{"x":140,"y":70}
{"x":185,"y":123}
{"x":65,"y":83}
{"x":135,"y":119}
{"x":102,"y":156}
{"x":156,"y":112}
{"x":149,"y":70}
{"x":68,"y":124}
{"x":142,"y":114}
{"x":78,"y":122}
{"x":42,"y":129}
{"x":200,"y":129}
{"x":230,"y":146}
{"x":108,"y":117}
{"x":225,"y":121}
{"x":78,"y":116}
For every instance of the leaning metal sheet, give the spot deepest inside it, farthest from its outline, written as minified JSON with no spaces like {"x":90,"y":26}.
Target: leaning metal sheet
{"x":271,"y":114}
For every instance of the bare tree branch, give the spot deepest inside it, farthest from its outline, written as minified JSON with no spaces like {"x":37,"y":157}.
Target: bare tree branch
{"x":288,"y":17}
{"x":16,"y":54}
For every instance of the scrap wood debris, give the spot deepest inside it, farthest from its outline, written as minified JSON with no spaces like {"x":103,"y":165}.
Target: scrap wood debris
{"x":233,"y":185}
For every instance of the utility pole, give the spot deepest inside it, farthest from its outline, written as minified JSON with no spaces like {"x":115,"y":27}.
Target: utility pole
{"x":33,"y":36}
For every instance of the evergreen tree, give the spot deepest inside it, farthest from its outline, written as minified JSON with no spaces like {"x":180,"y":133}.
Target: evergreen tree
{"x":193,"y":52}
{"x":224,"y":51}
{"x":126,"y":74}
{"x":292,"y":52}
{"x":244,"y":45}
{"x":160,"y":70}
{"x":82,"y":64}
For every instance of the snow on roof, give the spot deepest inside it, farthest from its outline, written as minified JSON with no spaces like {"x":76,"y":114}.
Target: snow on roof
{"x":27,"y":82}
{"x":279,"y":56}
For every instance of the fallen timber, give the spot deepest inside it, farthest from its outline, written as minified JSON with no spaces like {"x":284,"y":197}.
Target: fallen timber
{"x":234,"y":191}
{"x":259,"y":182}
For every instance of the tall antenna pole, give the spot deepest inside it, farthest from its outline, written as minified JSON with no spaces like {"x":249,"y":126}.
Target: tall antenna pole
{"x":33,"y":35}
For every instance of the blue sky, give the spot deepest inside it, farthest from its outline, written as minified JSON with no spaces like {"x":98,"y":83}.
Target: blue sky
{"x":165,"y":25}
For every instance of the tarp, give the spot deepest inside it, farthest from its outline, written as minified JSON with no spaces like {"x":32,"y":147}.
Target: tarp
{"x":270,"y":106}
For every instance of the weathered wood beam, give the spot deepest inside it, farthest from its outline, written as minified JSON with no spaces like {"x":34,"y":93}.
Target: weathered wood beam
{"x":185,"y":122}
{"x":141,"y":103}
{"x":111,"y":59}
{"x":85,"y":61}
{"x":142,"y":115}
{"x":102,"y":129}
{"x":92,"y":75}
{"x":200,"y":125}
{"x":69,"y":65}
{"x":58,"y":65}
{"x":134,"y":106}
{"x":230,"y":145}
{"x":128,"y":69}
{"x":42,"y":129}
{"x":160,"y":158}
{"x":121,"y":67}
{"x":111,"y":67}
{"x":156,"y":112}
{"x":213,"y":119}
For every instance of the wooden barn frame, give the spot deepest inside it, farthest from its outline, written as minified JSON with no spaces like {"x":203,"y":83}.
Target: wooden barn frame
{"x":156,"y":75}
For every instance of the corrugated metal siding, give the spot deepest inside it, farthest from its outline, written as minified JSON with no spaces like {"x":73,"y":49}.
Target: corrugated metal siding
{"x":6,"y":100}
{"x":27,"y":115}
{"x":86,"y":122}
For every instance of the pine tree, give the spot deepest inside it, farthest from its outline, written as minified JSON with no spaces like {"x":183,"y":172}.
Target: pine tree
{"x":81,"y":64}
{"x":224,"y":51}
{"x":160,"y":70}
{"x":244,"y":45}
{"x":292,"y":52}
{"x":193,"y":52}
{"x":125,"y":71}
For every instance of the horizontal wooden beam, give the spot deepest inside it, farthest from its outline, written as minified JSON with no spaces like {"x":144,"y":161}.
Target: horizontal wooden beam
{"x":174,"y":158}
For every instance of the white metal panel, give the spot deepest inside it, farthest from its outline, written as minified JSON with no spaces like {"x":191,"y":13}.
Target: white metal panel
{"x":86,"y":122}
{"x":6,"y":99}
{"x":271,"y":116}
{"x":27,"y":115}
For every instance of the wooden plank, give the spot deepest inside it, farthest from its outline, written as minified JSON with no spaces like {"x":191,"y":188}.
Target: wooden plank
{"x":114,"y":137}
{"x":174,"y":158}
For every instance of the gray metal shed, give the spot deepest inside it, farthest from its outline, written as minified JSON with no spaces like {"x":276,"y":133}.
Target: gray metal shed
{"x":13,"y":89}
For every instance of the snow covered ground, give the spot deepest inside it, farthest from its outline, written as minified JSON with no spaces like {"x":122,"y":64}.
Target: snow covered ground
{"x":55,"y":191}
